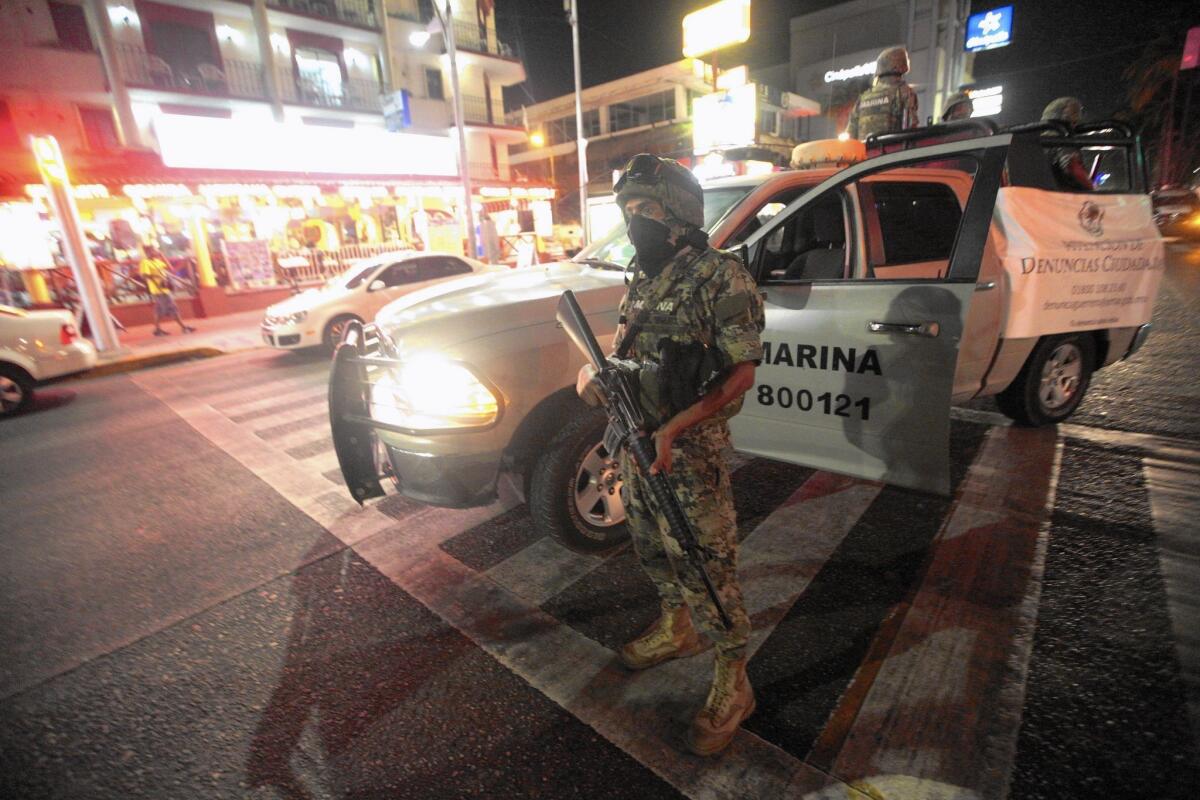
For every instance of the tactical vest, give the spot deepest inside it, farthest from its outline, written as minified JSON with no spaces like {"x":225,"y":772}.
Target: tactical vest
{"x":673,"y":306}
{"x":880,"y":110}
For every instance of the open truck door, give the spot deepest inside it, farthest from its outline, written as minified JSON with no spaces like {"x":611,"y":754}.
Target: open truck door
{"x":868,"y":280}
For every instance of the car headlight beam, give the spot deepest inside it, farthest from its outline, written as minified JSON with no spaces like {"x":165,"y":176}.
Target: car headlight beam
{"x":432,"y":393}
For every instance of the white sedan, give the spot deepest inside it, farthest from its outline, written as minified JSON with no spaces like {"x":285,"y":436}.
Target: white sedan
{"x":35,"y":347}
{"x":319,"y":316}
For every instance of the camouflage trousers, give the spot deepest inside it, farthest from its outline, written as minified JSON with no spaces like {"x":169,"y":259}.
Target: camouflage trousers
{"x":700,"y":476}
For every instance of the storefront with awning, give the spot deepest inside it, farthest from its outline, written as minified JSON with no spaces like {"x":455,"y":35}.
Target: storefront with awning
{"x":265,"y":228}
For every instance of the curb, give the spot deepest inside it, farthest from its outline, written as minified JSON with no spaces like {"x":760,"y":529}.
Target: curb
{"x":132,"y":363}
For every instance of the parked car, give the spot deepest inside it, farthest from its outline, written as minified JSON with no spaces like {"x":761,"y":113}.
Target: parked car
{"x":36,"y":347}
{"x":868,"y":274}
{"x":319,"y":316}
{"x":1177,"y":211}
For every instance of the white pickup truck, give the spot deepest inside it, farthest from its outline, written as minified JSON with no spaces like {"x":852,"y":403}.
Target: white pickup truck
{"x":893,"y":287}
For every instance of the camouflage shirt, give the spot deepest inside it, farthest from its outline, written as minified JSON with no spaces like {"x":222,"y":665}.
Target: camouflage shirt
{"x":699,"y":296}
{"x":890,"y":105}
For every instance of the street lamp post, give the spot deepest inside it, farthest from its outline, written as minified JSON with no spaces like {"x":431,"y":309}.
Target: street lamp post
{"x":445,"y":21}
{"x":572,"y":8}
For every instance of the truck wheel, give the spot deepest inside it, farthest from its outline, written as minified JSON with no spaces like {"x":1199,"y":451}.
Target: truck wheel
{"x":335,"y":329}
{"x":1053,"y":381}
{"x":575,"y":488}
{"x":16,"y":390}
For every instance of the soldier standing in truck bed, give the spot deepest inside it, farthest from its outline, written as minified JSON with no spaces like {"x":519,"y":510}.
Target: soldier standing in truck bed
{"x":890,"y":104}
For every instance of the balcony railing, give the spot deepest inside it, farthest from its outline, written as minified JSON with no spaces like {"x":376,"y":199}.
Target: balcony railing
{"x":355,"y":12}
{"x":469,"y":36}
{"x":232,"y":79}
{"x":355,"y":94}
{"x":475,"y":109}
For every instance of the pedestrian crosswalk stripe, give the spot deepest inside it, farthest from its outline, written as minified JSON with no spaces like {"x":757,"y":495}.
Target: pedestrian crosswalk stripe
{"x":945,"y":642}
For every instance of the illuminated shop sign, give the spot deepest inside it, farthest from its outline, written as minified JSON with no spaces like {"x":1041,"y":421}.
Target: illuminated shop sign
{"x":716,"y":26}
{"x":724,"y":119}
{"x":986,"y":102}
{"x":847,"y":73}
{"x":989,"y":29}
{"x":204,"y":143}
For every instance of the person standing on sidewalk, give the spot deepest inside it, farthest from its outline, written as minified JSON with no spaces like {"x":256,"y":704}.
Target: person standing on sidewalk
{"x":157,"y":275}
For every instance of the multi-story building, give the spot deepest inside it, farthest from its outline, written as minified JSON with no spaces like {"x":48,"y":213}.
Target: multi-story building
{"x":318,"y":123}
{"x":673,"y":110}
{"x":833,"y":54}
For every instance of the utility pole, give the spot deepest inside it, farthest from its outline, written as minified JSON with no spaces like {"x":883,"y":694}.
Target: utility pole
{"x":572,"y":10}
{"x":446,"y":20}
{"x":62,"y":200}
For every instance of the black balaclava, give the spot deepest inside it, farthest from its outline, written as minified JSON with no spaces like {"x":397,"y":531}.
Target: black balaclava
{"x":651,"y":240}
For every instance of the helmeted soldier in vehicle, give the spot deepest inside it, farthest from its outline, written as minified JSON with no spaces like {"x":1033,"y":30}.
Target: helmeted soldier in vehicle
{"x":691,"y":321}
{"x":1066,"y":162}
{"x":890,"y":104}
{"x":958,"y":106}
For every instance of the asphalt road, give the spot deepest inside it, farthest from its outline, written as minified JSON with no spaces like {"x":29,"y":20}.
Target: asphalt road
{"x":193,"y":607}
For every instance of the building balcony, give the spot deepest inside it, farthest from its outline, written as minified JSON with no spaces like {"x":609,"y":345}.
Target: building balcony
{"x":488,"y":54}
{"x":352,"y":12}
{"x":139,"y":68}
{"x":49,"y":69}
{"x":486,"y":171}
{"x":354,"y":94}
{"x":477,"y":110}
{"x":469,"y":36}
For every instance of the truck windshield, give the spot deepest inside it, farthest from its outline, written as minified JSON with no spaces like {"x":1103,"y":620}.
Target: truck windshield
{"x":615,"y":251}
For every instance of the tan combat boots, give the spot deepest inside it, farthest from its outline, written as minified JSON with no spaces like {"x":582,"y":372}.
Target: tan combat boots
{"x":671,"y":636}
{"x":730,"y":700}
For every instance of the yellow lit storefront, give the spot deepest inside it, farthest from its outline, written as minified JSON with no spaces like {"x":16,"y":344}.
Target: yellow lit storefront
{"x":246,"y":212}
{"x":263,"y":238}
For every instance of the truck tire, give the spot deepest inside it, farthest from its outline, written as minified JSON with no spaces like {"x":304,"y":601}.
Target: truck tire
{"x":575,"y":488}
{"x":1053,"y":381}
{"x":16,"y":389}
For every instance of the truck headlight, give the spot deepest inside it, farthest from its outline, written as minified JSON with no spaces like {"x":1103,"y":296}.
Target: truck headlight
{"x":430,"y":392}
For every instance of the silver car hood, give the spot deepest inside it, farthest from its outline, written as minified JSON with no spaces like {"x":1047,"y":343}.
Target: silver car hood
{"x":493,"y":302}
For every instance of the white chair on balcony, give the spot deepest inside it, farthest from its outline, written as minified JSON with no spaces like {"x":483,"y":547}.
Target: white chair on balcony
{"x":213,"y":78}
{"x":160,"y":71}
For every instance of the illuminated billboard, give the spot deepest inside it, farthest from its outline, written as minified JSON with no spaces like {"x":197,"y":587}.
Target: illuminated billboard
{"x":724,"y":119}
{"x":988,"y":30}
{"x":716,"y":26}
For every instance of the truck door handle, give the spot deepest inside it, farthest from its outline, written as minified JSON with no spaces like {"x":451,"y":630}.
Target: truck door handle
{"x":983,"y":287}
{"x":929,"y":329}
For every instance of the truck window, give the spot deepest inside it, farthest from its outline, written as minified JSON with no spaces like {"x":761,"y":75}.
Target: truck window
{"x":895,"y":223}
{"x":764,"y":213}
{"x":811,"y":245}
{"x":917,"y":222}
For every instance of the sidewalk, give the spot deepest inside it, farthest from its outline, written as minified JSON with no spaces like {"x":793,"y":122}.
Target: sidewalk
{"x":213,"y":336}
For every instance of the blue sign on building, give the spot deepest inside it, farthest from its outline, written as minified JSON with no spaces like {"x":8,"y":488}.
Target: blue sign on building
{"x":989,"y":29}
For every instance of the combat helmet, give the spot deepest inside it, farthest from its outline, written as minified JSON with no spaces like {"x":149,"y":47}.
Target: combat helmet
{"x":1064,"y":109}
{"x":665,"y":180}
{"x":955,"y":103}
{"x":893,"y":61}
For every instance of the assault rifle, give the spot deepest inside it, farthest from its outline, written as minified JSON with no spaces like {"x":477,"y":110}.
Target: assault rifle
{"x":628,"y":426}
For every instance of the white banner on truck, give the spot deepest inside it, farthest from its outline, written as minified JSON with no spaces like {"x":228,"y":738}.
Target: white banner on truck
{"x":1077,"y":261}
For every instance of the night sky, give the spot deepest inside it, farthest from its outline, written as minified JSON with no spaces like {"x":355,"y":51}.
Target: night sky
{"x":1059,"y":46}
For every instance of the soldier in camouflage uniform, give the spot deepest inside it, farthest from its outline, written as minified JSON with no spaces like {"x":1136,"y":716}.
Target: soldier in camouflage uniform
{"x":685,"y":291}
{"x":958,"y":106}
{"x":890,"y":104}
{"x":1066,"y":162}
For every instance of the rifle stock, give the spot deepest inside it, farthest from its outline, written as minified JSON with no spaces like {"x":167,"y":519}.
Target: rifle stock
{"x":626,"y":421}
